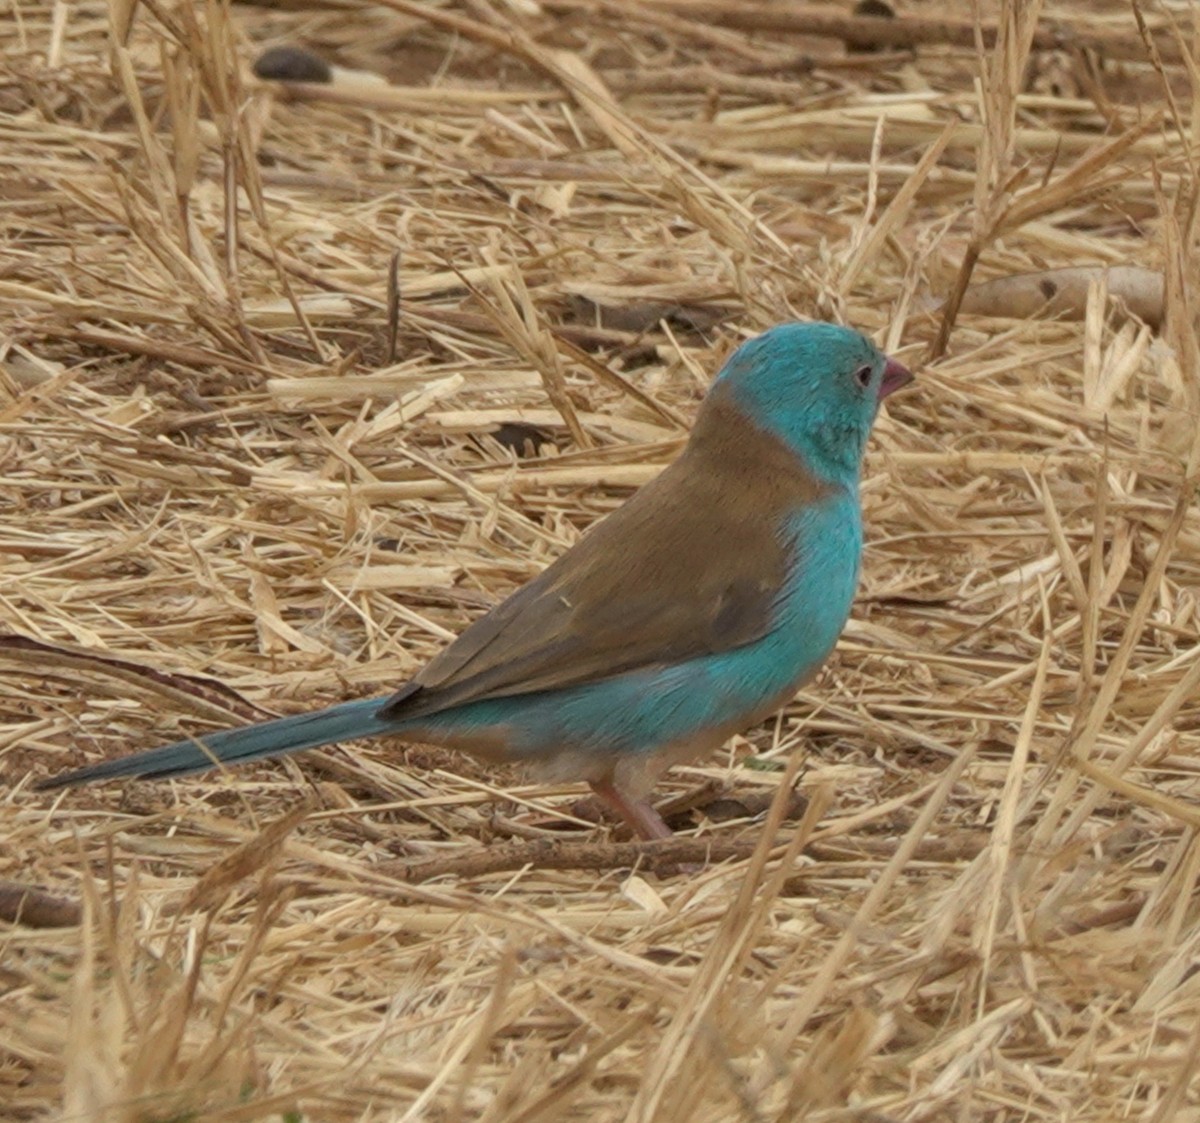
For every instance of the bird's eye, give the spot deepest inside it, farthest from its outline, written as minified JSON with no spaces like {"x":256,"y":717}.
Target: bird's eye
{"x":863,"y":376}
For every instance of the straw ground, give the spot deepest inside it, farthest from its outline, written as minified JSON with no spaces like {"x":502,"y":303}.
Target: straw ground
{"x":297,"y":381}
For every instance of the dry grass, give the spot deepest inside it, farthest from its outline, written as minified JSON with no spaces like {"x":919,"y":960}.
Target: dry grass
{"x":226,"y":491}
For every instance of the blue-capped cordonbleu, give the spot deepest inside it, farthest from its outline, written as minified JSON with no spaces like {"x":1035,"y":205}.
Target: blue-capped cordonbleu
{"x":690,"y":613}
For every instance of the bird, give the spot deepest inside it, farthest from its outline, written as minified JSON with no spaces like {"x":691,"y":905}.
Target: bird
{"x":692,"y":612}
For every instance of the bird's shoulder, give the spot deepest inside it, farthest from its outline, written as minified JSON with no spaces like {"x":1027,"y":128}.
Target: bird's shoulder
{"x":692,"y":564}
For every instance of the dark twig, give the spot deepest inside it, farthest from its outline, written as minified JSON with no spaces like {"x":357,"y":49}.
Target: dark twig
{"x":867,"y":32}
{"x":35,"y":908}
{"x":665,"y":855}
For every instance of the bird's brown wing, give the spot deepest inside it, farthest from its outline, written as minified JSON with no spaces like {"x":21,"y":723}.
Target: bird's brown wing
{"x":692,"y":564}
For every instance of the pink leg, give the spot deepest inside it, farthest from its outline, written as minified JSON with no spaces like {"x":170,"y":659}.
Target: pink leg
{"x":641,"y":817}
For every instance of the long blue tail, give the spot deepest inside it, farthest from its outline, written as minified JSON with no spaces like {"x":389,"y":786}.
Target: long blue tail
{"x":234,"y":746}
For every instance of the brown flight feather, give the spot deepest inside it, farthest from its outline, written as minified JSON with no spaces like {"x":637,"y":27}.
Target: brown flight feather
{"x":690,"y":565}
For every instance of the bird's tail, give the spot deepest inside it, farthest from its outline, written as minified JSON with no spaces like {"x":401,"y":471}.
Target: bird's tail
{"x":234,"y":746}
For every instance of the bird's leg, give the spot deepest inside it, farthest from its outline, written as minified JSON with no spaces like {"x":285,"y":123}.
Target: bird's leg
{"x":645,"y":821}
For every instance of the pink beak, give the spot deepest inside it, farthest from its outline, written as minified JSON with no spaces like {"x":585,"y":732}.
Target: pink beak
{"x":895,"y":377}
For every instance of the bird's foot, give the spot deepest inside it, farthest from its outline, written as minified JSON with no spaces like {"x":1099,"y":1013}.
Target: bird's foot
{"x":638,"y":813}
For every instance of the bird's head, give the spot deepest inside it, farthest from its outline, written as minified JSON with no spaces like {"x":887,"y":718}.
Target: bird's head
{"x":817,"y":387}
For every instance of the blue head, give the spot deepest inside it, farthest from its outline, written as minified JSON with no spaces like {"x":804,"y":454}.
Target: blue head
{"x":817,"y":387}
